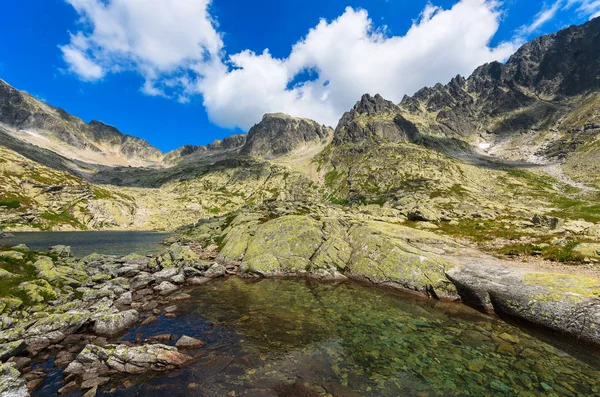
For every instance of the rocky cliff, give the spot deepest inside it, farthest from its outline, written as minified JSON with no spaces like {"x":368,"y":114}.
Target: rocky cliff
{"x":278,"y":134}
{"x":532,"y":91}
{"x":374,"y":119}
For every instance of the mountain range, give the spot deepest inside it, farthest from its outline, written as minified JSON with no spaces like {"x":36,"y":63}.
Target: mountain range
{"x":511,"y":141}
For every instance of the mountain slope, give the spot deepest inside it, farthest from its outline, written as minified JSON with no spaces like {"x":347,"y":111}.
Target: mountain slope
{"x":35,"y":122}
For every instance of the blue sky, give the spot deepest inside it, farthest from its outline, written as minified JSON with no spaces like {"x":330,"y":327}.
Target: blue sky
{"x":191,"y":71}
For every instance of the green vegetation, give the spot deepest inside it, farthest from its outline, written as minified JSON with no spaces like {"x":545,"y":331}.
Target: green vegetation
{"x":10,"y":203}
{"x":22,"y":270}
{"x":559,"y":253}
{"x":61,"y":218}
{"x":577,"y":208}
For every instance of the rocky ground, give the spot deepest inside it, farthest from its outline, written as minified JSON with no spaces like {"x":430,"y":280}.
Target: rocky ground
{"x":73,"y":309}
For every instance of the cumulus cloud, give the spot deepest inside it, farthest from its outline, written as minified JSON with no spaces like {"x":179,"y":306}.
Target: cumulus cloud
{"x":177,"y":48}
{"x":157,"y":39}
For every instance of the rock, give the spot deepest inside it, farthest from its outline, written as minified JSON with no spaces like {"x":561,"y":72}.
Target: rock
{"x":6,"y":235}
{"x":198,"y":280}
{"x":565,"y":303}
{"x":422,"y":214}
{"x":547,"y":221}
{"x":55,"y":327}
{"x":35,"y":384}
{"x":141,"y":281}
{"x":60,"y":251}
{"x":92,"y":392}
{"x":180,"y":297}
{"x":187,"y":342}
{"x":125,"y":299}
{"x":114,"y":324}
{"x":11,"y":384}
{"x":13,"y":255}
{"x":178,"y":279}
{"x":216,"y":270}
{"x":69,"y":387}
{"x":6,"y":274}
{"x":11,"y":349}
{"x":588,"y":250}
{"x":165,"y":274}
{"x":166,"y":288}
{"x":171,"y":309}
{"x":162,"y":338}
{"x":94,"y":382}
{"x":125,"y":359}
{"x":149,"y":320}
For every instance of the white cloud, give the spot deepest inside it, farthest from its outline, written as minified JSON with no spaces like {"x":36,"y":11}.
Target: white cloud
{"x":545,"y":15}
{"x":589,"y":8}
{"x":80,"y":64}
{"x":155,"y":38}
{"x":352,"y":58}
{"x":178,"y":50}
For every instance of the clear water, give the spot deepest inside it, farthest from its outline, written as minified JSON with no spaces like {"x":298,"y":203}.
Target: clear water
{"x":348,"y":340}
{"x":85,"y":243}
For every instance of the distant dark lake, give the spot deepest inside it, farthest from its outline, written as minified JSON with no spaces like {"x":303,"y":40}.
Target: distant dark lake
{"x":85,"y":243}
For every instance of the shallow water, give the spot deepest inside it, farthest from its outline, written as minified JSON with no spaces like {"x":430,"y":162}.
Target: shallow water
{"x":85,"y":243}
{"x":352,"y":340}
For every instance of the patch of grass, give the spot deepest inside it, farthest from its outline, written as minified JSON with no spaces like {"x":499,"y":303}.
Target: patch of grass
{"x":331,"y":177}
{"x":61,"y":218}
{"x":23,"y":270}
{"x":100,"y":193}
{"x":480,"y":230}
{"x":576,"y":209}
{"x":10,"y":204}
{"x":557,"y":253}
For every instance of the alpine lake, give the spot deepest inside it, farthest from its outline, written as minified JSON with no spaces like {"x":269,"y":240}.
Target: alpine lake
{"x":277,"y":337}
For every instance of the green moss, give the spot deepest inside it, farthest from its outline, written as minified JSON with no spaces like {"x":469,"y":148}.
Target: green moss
{"x":564,"y":286}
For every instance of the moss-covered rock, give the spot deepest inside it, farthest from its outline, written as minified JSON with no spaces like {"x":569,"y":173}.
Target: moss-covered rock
{"x":12,"y":255}
{"x":283,"y":245}
{"x":386,"y":253}
{"x":11,"y":384}
{"x":37,"y":291}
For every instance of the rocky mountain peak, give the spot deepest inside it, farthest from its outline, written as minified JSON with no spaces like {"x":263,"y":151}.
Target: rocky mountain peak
{"x":373,"y":105}
{"x":278,"y":134}
{"x":374,"y":119}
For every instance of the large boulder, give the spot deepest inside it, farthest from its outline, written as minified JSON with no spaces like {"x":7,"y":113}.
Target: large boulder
{"x":565,"y":303}
{"x":115,"y":323}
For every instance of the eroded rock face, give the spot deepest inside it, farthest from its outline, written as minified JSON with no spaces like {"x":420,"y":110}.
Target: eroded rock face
{"x":374,"y":119}
{"x":335,"y":246}
{"x":130,"y":360}
{"x":278,"y":134}
{"x":562,"y":302}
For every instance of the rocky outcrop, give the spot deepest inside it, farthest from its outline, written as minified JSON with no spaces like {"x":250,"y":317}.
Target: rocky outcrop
{"x":565,"y":303}
{"x":278,"y":134}
{"x":98,"y":361}
{"x":374,"y":119}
